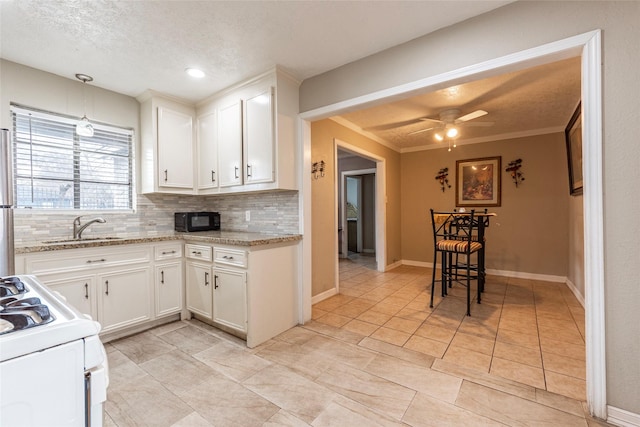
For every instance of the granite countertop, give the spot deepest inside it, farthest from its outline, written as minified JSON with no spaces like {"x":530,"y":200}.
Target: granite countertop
{"x":235,"y":238}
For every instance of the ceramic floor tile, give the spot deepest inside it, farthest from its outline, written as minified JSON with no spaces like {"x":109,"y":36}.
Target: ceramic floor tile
{"x":442,"y":386}
{"x":122,"y":369}
{"x":336,"y":414}
{"x":437,"y":333}
{"x":469,"y":358}
{"x":511,"y":410}
{"x":412,"y":314}
{"x":427,"y":346}
{"x":231,"y":361}
{"x":518,"y":372}
{"x":567,"y":334}
{"x":565,"y":365}
{"x":511,"y":337}
{"x":375,"y":393}
{"x":163,"y":368}
{"x":305,"y":361}
{"x":192,"y":420}
{"x":360,"y":327}
{"x":142,"y":347}
{"x":562,"y":348}
{"x":333,"y":320}
{"x":391,"y":336}
{"x":404,"y":325}
{"x":565,"y":385}
{"x":427,"y":411}
{"x":189,"y":339}
{"x":283,"y":418}
{"x":375,"y":317}
{"x":516,"y":353}
{"x":144,"y":402}
{"x":472,"y":342}
{"x":296,"y":394}
{"x":400,"y":353}
{"x":352,"y":309}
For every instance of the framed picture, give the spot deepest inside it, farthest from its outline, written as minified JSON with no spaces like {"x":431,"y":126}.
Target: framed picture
{"x":573,"y":136}
{"x":478,"y":182}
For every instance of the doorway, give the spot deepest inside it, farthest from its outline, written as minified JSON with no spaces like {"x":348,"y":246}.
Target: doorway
{"x":588,"y":46}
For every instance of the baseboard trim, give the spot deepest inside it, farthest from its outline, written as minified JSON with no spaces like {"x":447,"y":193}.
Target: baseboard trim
{"x":525,"y":275}
{"x":622,"y":418}
{"x":394,"y":265}
{"x":575,"y":291}
{"x":417,"y":263}
{"x":324,"y":295}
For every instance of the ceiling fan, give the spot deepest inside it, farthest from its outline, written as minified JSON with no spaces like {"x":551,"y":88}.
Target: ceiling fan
{"x":449,"y":121}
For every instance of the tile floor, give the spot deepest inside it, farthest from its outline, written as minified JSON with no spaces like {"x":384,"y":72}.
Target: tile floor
{"x":362,"y":371}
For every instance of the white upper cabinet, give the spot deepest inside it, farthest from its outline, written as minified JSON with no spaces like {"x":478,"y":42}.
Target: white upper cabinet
{"x":208,"y":174}
{"x":175,"y":149}
{"x":230,"y":144}
{"x":258,"y":138}
{"x":167,"y":145}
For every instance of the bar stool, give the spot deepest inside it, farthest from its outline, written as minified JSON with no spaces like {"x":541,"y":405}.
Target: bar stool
{"x":454,"y":234}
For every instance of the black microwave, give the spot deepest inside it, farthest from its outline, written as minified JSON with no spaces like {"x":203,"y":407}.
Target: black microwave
{"x":197,"y":221}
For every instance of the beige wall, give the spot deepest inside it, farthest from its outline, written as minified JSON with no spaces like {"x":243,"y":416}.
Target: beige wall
{"x":529,"y":235}
{"x":323,"y":207}
{"x":516,"y":27}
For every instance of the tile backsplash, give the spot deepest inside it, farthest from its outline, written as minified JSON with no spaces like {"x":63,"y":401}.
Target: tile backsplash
{"x":275,"y":212}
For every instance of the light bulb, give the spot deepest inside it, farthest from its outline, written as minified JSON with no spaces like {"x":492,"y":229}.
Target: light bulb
{"x":84,"y":127}
{"x":452,"y":132}
{"x":438,"y":136}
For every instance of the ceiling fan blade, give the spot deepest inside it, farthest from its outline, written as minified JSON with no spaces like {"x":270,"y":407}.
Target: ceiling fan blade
{"x":478,"y":124}
{"x":422,"y":130}
{"x":392,"y":125}
{"x":471,"y":116}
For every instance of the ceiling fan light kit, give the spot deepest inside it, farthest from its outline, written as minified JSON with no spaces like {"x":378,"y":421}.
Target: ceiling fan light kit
{"x":84,"y":126}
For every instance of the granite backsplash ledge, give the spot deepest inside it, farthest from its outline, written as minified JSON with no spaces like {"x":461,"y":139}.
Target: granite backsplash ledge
{"x":275,"y":212}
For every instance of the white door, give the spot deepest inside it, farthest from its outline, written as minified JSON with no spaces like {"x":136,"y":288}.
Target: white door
{"x":125,"y":298}
{"x":175,"y":149}
{"x":199,"y":289}
{"x":168,"y":288}
{"x":230,"y":298}
{"x":207,"y":152}
{"x":259,"y":138}
{"x":230,"y":144}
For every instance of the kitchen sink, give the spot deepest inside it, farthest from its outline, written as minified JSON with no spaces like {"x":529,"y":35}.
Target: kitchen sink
{"x":88,"y":240}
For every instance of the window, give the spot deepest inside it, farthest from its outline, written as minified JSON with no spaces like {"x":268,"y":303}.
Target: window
{"x":56,"y":169}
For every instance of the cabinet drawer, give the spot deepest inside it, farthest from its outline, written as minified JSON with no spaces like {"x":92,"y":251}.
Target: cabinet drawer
{"x":168,"y":251}
{"x":86,"y":260}
{"x":230,"y":257}
{"x":200,"y":252}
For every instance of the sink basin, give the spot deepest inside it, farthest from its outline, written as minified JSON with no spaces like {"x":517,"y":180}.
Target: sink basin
{"x":88,"y":240}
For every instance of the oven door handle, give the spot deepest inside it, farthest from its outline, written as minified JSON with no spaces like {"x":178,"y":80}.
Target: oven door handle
{"x":87,"y":399}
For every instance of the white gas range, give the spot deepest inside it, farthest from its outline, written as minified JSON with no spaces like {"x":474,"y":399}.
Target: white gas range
{"x":53,"y":366}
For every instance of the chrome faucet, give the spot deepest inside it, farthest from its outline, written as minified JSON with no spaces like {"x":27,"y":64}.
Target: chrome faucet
{"x":78,"y":229}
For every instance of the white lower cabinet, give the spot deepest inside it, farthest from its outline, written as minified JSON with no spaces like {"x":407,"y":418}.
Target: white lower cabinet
{"x":80,"y":292}
{"x":199,"y":289}
{"x":230,"y":298}
{"x":125,"y":298}
{"x":119,"y":286}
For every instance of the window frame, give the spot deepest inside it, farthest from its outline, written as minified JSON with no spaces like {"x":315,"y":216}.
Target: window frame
{"x":18,"y":112}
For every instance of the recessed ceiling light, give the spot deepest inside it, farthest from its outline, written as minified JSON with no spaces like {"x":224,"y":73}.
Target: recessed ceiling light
{"x":194,"y":72}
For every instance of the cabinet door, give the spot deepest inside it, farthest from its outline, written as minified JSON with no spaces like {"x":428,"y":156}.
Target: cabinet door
{"x":230,"y":144}
{"x":80,"y":292}
{"x":125,"y":298}
{"x":168,"y":288}
{"x":259,"y":139}
{"x":230,"y":298}
{"x":207,"y":152}
{"x":175,"y":149}
{"x":199,"y":289}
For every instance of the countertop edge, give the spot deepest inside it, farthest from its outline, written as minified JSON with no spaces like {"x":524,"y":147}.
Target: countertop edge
{"x":251,"y":239}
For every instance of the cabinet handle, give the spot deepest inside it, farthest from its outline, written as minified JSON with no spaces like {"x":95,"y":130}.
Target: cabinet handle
{"x":237,"y":169}
{"x":95,"y":260}
{"x":206,"y":278}
{"x":106,"y":282}
{"x":166,"y":175}
{"x":162,"y":277}
{"x":168,"y":252}
{"x":248,"y":170}
{"x":227,"y":257}
{"x":213,"y":176}
{"x":86,"y":291}
{"x":215,"y":281}
{"x":196,"y":253}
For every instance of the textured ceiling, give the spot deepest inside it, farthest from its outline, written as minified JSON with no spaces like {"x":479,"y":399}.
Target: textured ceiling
{"x":530,"y":101}
{"x":132,"y":46}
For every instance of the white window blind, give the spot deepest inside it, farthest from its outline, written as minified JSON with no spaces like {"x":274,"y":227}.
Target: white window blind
{"x":56,"y":169}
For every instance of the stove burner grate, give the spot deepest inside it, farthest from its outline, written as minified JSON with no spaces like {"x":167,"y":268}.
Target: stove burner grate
{"x":11,"y":286}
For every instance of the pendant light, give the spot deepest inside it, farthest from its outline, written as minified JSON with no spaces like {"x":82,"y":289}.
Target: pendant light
{"x":84,"y":127}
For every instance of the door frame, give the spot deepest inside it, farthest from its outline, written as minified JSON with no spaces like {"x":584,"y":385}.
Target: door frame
{"x":589,"y":47}
{"x":343,"y":178}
